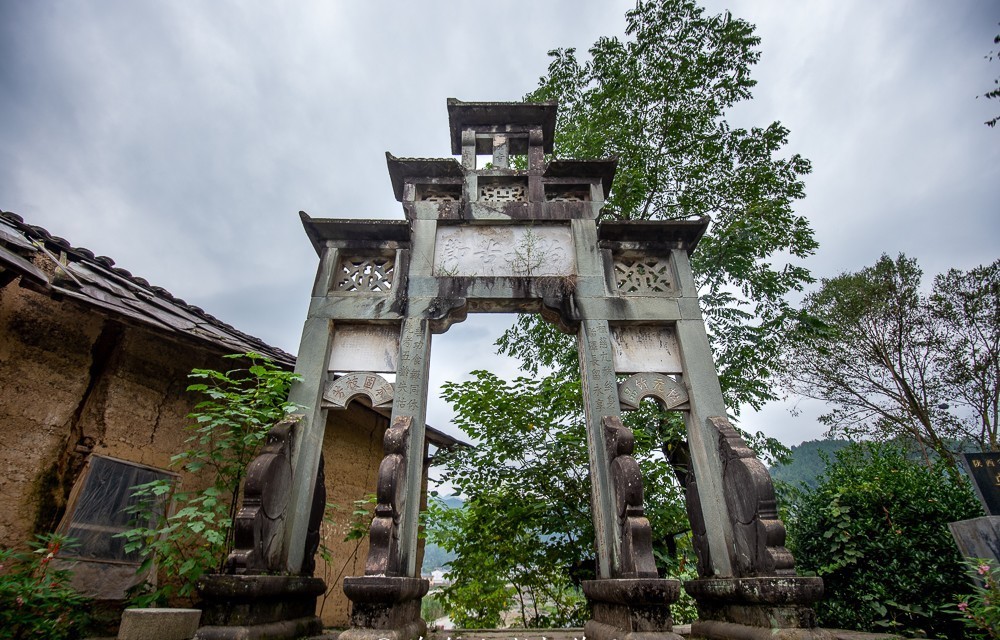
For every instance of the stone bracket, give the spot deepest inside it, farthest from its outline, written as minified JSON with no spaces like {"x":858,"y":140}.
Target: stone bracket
{"x":636,"y":534}
{"x":758,"y":533}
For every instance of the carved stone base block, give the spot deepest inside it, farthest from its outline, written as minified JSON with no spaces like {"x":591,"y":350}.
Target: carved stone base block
{"x":756,"y":608}
{"x":249,"y":607}
{"x":385,"y":607}
{"x":631,"y":609}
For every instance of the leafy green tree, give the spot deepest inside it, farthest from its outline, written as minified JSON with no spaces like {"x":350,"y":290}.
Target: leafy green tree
{"x":894,"y":363}
{"x":525,"y":531}
{"x":656,"y":100}
{"x":876,"y":530}
{"x":967,"y":305}
{"x":230,"y":425}
{"x":995,"y":92}
{"x":871,"y":357}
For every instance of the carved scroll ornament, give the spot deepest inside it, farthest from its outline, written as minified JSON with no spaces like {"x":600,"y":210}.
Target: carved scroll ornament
{"x":636,"y":559}
{"x":383,"y":550}
{"x":758,"y":533}
{"x":259,"y":524}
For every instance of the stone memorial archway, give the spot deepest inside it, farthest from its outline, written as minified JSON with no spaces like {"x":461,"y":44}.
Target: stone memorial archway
{"x":502,"y":239}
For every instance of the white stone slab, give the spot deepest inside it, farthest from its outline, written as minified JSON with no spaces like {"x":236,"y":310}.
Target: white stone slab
{"x":645,"y":349}
{"x":364,"y":348}
{"x":504,"y":250}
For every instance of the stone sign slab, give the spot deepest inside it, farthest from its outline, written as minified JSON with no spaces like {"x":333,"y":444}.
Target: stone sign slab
{"x":359,"y":347}
{"x":504,"y":251}
{"x":984,"y":469}
{"x":645,"y":350}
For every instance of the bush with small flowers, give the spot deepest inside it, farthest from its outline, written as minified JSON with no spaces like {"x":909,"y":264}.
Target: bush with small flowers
{"x":36,"y":600}
{"x":981,"y":610}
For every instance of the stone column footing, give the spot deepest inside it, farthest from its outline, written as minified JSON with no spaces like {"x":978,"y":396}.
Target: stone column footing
{"x":767,"y":603}
{"x":255,"y":606}
{"x":385,"y":608}
{"x":631,"y":608}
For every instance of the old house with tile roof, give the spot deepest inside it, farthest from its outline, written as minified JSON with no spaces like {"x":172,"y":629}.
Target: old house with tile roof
{"x":93,"y":368}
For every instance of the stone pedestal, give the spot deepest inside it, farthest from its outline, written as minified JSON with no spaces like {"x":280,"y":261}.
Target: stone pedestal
{"x":248,"y":607}
{"x":385,"y":608}
{"x":631,"y":608}
{"x":756,"y":608}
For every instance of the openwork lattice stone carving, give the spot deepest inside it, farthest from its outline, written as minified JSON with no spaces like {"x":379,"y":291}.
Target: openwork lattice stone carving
{"x":636,"y":533}
{"x":642,"y":276}
{"x":503,"y":193}
{"x":383,"y":551}
{"x":366,"y":274}
{"x":439,"y":194}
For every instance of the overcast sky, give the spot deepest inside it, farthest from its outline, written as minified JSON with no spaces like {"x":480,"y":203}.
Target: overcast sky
{"x":181,"y":138}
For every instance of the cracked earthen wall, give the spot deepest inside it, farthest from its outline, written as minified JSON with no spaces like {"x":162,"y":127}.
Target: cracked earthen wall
{"x":75,"y":382}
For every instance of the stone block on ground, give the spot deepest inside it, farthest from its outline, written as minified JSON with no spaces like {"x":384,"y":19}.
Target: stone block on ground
{"x":159,"y":624}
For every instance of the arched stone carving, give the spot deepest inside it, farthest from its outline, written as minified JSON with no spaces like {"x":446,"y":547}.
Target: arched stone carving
{"x":670,"y":393}
{"x":341,"y":391}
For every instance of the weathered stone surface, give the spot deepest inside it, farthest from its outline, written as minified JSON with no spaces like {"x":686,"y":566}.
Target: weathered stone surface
{"x":385,"y":607}
{"x":631,"y":608}
{"x":159,"y":624}
{"x":259,"y":524}
{"x":238,"y":605}
{"x":984,"y":469}
{"x":978,"y":537}
{"x":778,"y":602}
{"x":758,"y":533}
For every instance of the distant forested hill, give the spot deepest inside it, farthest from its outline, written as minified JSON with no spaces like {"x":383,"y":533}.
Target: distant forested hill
{"x":434,"y":556}
{"x":807,"y":462}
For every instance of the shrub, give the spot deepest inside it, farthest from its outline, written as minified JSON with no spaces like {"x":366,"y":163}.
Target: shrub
{"x":230,"y":426}
{"x":981,"y":610}
{"x":36,"y":600}
{"x":876,"y":530}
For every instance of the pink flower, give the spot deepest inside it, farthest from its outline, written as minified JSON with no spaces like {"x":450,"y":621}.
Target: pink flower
{"x":962,"y":606}
{"x":983,"y":569}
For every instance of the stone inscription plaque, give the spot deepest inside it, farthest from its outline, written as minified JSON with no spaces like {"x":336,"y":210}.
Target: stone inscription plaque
{"x":645,"y":350}
{"x":359,"y":347}
{"x":985,"y":471}
{"x":504,"y":250}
